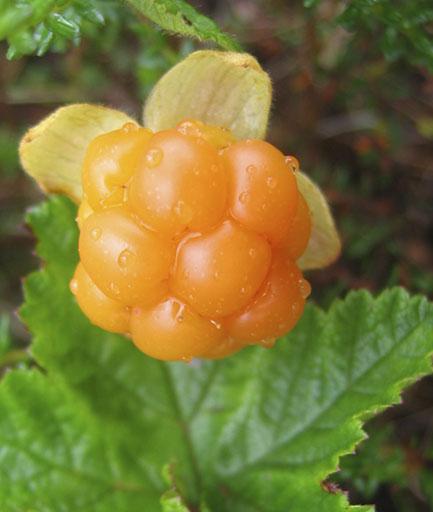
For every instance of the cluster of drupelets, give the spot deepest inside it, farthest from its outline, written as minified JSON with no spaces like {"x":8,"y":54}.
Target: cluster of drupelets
{"x":189,"y":240}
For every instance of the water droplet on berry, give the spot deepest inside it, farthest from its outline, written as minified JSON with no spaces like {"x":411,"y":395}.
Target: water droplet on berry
{"x":186,"y":359}
{"x":125,"y":258}
{"x":73,"y":285}
{"x":292,"y":162}
{"x":271,"y":182}
{"x":244,"y":197}
{"x":183,"y":211}
{"x":216,"y":324}
{"x":304,"y":288}
{"x":267,"y":343}
{"x":114,"y":288}
{"x":129,"y":127}
{"x":252,"y":252}
{"x":153,"y":157}
{"x":96,"y":233}
{"x":251,"y":169}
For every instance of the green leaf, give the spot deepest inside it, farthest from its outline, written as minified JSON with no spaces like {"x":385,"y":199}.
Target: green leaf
{"x":171,"y":501}
{"x":5,"y":335}
{"x":179,"y":17}
{"x":35,"y":26}
{"x":259,"y":431}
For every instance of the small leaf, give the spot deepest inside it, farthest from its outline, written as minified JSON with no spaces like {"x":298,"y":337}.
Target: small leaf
{"x":179,"y":17}
{"x":52,"y":152}
{"x":324,"y":245}
{"x":219,"y":88}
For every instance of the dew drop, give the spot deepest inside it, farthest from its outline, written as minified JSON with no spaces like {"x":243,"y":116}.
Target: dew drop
{"x":114,"y":288}
{"x":73,"y":286}
{"x":269,"y":343}
{"x":252,"y":252}
{"x":251,"y":169}
{"x":292,"y":162}
{"x":124,"y":258}
{"x":96,"y":233}
{"x":153,"y":157}
{"x":186,"y":359}
{"x":244,"y":197}
{"x":271,"y":182}
{"x":183,"y":211}
{"x":304,"y":288}
{"x":129,"y":127}
{"x":295,"y":308}
{"x":216,"y":324}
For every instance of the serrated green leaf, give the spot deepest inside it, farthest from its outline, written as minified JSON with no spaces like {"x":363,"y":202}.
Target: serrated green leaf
{"x":258,"y":431}
{"x":179,"y":17}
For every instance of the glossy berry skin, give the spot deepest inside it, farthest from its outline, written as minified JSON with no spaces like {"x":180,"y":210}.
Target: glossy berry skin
{"x":128,"y":262}
{"x":172,"y":330}
{"x":263,"y":193}
{"x":219,"y":272}
{"x":102,"y":311}
{"x":109,"y":163}
{"x":276,"y":307}
{"x":189,"y":240}
{"x":179,"y":184}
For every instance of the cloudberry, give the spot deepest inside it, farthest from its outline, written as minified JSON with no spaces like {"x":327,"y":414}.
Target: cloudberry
{"x":189,"y":240}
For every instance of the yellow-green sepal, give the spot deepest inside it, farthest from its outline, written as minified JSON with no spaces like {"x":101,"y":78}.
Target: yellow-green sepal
{"x":324,"y":245}
{"x":225,"y":89}
{"x":52,"y":152}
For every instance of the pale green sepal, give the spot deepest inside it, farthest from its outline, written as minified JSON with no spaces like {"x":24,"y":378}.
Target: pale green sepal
{"x":52,"y":152}
{"x":225,"y":89}
{"x":324,"y":246}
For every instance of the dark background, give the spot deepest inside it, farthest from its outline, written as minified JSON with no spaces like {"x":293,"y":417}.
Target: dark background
{"x":355,"y":107}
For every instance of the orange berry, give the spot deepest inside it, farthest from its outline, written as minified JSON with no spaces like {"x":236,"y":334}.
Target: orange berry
{"x":263,"y":194}
{"x":101,"y":310}
{"x":127,"y":262}
{"x":196,"y":234}
{"x":215,"y":135}
{"x":173,"y":331}
{"x":180,"y":183}
{"x":109,"y":162}
{"x":300,"y":231}
{"x":84,"y":211}
{"x":224,"y":348}
{"x":218,"y":273}
{"x":275,"y":309}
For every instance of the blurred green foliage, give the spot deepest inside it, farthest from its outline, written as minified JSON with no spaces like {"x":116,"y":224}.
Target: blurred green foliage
{"x":402,"y":28}
{"x":36,"y":26}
